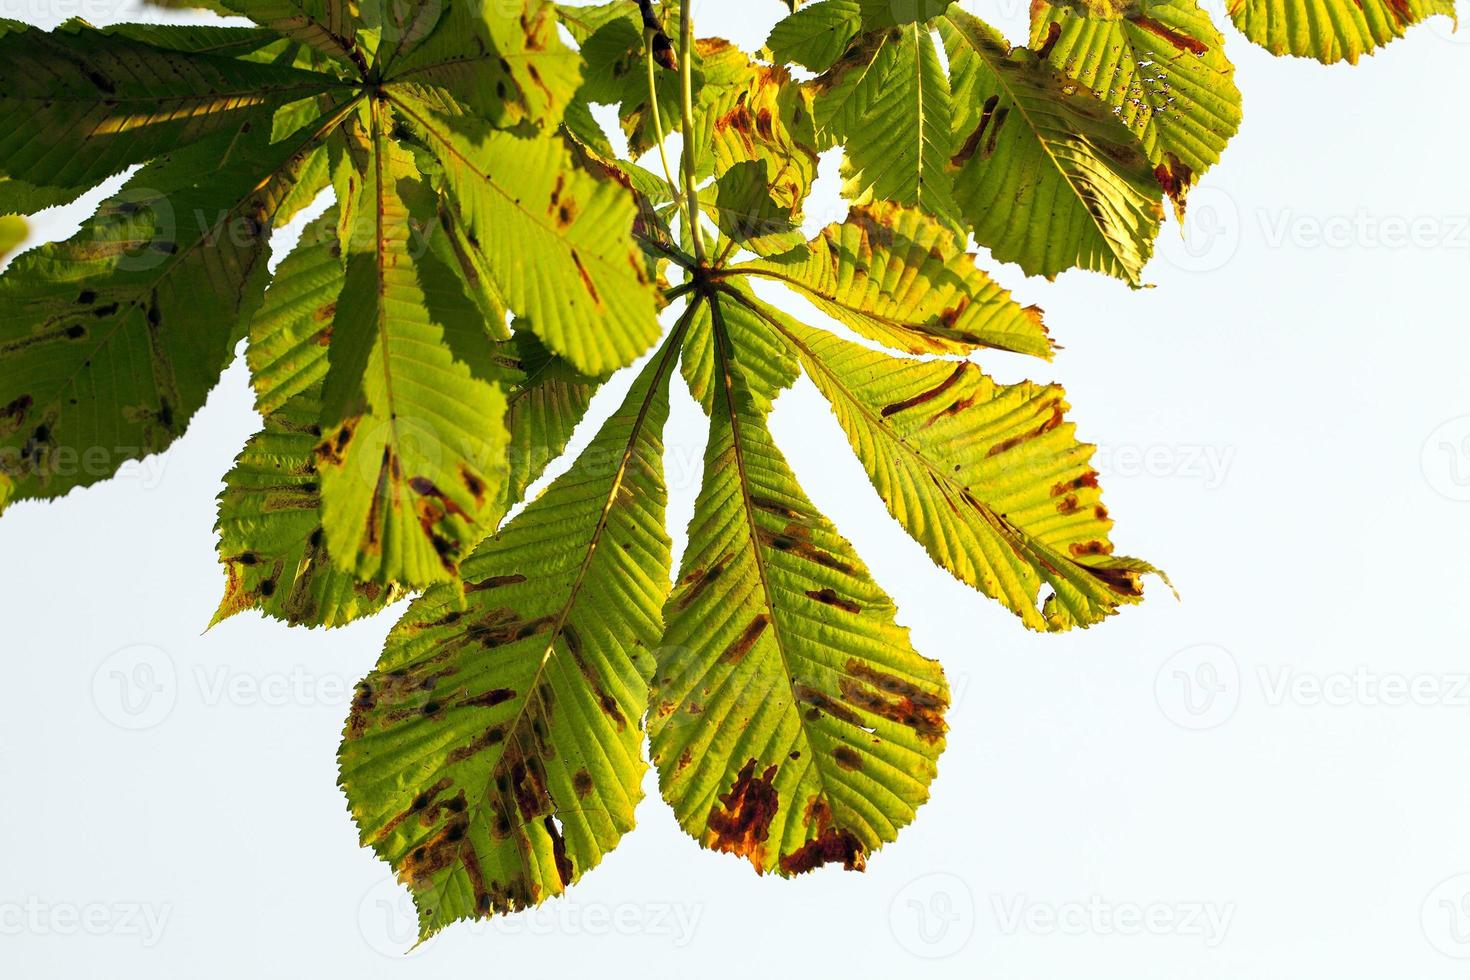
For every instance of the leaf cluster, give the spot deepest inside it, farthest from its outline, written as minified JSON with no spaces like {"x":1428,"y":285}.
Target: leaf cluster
{"x":492,"y":255}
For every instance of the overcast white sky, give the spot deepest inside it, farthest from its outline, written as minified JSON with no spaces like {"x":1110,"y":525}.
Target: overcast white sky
{"x":1266,"y":779}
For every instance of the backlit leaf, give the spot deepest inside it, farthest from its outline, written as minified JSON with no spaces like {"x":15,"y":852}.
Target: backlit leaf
{"x":1331,"y":30}
{"x":1161,"y":66}
{"x":1046,"y":175}
{"x":792,"y":723}
{"x":494,"y":755}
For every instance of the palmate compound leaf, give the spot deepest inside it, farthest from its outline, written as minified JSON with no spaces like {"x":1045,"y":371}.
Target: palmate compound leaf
{"x":899,"y":277}
{"x":989,"y":478}
{"x":495,"y":754}
{"x":1046,"y":175}
{"x":1331,"y":30}
{"x":413,"y":437}
{"x":1160,"y":65}
{"x":110,"y":341}
{"x":791,"y":721}
{"x":78,"y":105}
{"x":555,"y":235}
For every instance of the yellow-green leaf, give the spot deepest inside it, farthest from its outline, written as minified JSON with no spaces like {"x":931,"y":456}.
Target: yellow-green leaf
{"x":413,"y":434}
{"x":901,"y":278}
{"x":1331,"y":30}
{"x":791,"y":721}
{"x":1046,"y":175}
{"x":495,"y":754}
{"x":1160,"y":65}
{"x":989,"y":478}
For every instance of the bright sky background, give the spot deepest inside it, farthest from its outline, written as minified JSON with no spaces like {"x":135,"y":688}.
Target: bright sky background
{"x":1265,"y":779}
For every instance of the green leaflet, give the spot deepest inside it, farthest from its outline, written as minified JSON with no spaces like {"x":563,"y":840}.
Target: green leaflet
{"x":507,"y":65}
{"x":328,"y":26}
{"x":1331,"y":30}
{"x":290,"y":332}
{"x":555,"y":236}
{"x":816,"y":36}
{"x":769,"y":368}
{"x":271,"y":540}
{"x":584,"y":21}
{"x":616,"y":74}
{"x":887,"y":100}
{"x":1162,"y":66}
{"x":272,"y":543}
{"x":413,"y":441}
{"x":249,"y":43}
{"x":897,"y":276}
{"x":1047,"y":176}
{"x":78,"y":105}
{"x":494,"y":755}
{"x":749,"y":216}
{"x":752,"y":113}
{"x":791,"y":721}
{"x":989,"y":478}
{"x":160,"y":280}
{"x":23,"y":198}
{"x":547,"y":399}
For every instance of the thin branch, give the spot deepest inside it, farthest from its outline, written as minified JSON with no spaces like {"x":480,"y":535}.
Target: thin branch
{"x":686,"y":76}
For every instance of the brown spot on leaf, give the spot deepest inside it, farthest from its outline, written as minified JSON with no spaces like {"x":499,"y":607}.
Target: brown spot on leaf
{"x":746,"y":640}
{"x":924,"y":396}
{"x":472,"y":483}
{"x":564,"y":869}
{"x":13,"y":416}
{"x":486,"y":739}
{"x":1181,"y":41}
{"x":493,"y":582}
{"x":489,"y":699}
{"x":1053,"y":34}
{"x":819,"y":703}
{"x":831,"y":598}
{"x":847,"y":758}
{"x":1088,"y":480}
{"x":894,"y":698}
{"x":587,"y":282}
{"x":833,"y":845}
{"x":699,"y":580}
{"x":741,"y":821}
{"x":1049,"y":423}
